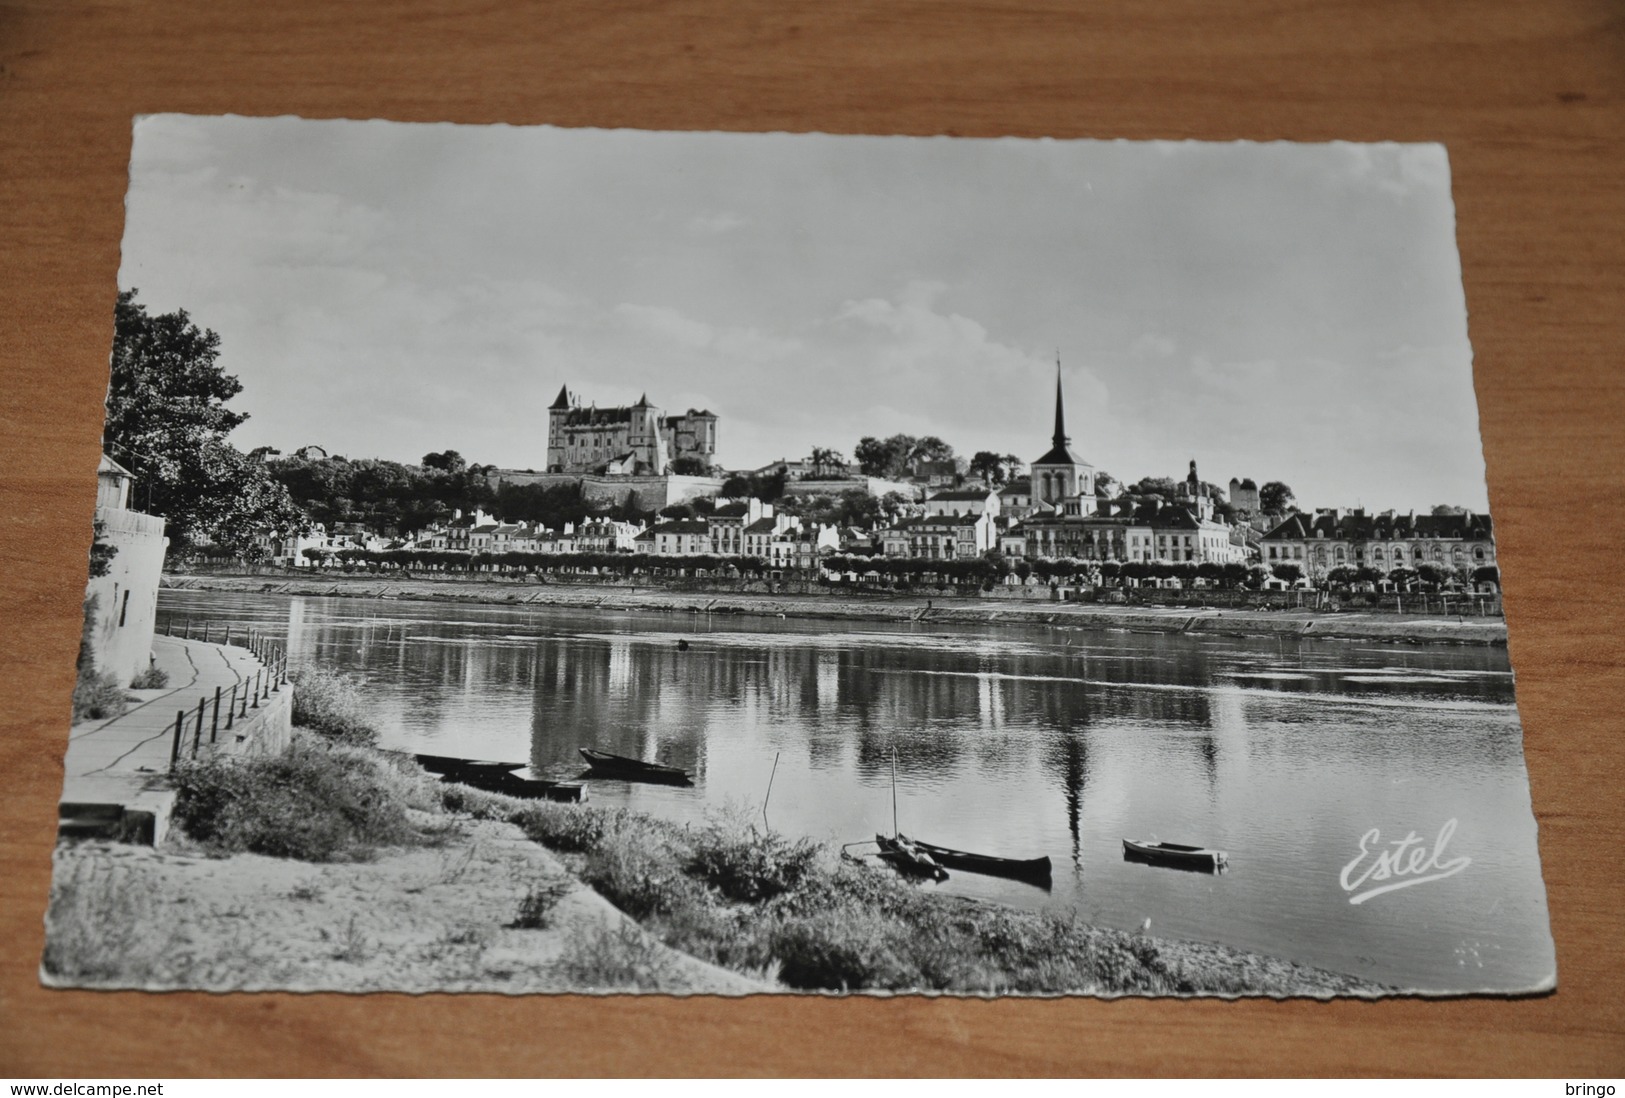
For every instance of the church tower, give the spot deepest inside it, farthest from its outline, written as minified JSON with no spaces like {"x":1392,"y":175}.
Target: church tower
{"x":1061,"y":474}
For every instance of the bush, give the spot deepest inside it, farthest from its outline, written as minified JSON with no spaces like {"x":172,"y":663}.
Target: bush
{"x":153,"y":678}
{"x":639,"y":880}
{"x":536,"y":909}
{"x":750,"y":866}
{"x":330,"y":702}
{"x":314,"y":803}
{"x":571,"y":828}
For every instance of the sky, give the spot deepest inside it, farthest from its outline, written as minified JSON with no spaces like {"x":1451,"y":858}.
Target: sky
{"x":1277,"y":311}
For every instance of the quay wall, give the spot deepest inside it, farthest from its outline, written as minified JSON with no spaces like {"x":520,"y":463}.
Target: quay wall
{"x":606,"y":595}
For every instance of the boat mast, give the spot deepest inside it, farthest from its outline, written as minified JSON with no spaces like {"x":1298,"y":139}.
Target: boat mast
{"x":894,"y":791}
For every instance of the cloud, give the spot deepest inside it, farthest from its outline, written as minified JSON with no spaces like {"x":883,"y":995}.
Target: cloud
{"x":713,"y":224}
{"x":1151,"y":345}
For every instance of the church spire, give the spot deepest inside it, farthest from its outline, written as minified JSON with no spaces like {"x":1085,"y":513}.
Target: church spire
{"x":1060,"y":438}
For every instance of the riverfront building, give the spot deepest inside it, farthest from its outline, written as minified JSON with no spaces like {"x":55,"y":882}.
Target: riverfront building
{"x":1354,"y":539}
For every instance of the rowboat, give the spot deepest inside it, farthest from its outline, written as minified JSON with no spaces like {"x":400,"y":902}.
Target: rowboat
{"x":447,"y":764}
{"x":1175,"y":854}
{"x":907,"y":857}
{"x":500,"y":778}
{"x":1033,"y":870}
{"x":634,"y":769}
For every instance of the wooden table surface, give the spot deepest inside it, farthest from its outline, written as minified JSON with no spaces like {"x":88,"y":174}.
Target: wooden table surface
{"x":1528,"y":97}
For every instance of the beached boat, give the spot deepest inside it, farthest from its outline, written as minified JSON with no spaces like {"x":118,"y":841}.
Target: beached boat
{"x":907,"y":857}
{"x":1175,"y":854}
{"x":447,"y":764}
{"x":500,"y":778}
{"x":1033,"y":870}
{"x":619,"y":766}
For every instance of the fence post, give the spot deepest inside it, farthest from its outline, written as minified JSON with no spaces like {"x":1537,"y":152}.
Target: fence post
{"x":188,"y":628}
{"x":175,"y":747}
{"x":256,"y":689}
{"x":214,"y":720}
{"x":206,"y":631}
{"x":197,"y":734}
{"x":244,"y":713}
{"x":231,"y":708}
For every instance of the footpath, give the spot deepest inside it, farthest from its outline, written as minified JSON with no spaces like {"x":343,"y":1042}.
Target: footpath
{"x":224,"y":699}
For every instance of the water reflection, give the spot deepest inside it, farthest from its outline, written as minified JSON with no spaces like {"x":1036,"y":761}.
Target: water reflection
{"x":1012,"y":741}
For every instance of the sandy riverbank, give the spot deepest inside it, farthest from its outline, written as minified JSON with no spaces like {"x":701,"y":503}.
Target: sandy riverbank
{"x":415,"y":919}
{"x":1348,"y":625}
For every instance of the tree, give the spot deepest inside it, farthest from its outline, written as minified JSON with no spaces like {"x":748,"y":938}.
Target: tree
{"x":447,"y":461}
{"x":823,"y":459}
{"x":987,"y":465}
{"x":1106,"y":485}
{"x":167,"y":420}
{"x":690,"y":466}
{"x":1443,"y":509}
{"x":930,"y":448}
{"x":884,"y":457}
{"x":1287,"y":571}
{"x":1154,"y":486}
{"x":1013,"y":467}
{"x":1276,"y":498}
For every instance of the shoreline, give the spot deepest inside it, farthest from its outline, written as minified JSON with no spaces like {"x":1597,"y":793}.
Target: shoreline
{"x":439,"y":916}
{"x":953,"y":609}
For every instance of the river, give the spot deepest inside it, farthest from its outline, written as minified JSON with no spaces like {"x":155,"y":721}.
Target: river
{"x":1017,"y":741}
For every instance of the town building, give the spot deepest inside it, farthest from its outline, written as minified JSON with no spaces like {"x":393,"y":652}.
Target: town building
{"x":964,"y":501}
{"x":1330,"y":539}
{"x":727,"y":524}
{"x":1016,"y":498}
{"x":681,"y":538}
{"x":635,"y":440}
{"x":940,"y":537}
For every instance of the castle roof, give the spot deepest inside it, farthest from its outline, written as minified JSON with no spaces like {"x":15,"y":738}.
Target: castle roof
{"x":562,"y":400}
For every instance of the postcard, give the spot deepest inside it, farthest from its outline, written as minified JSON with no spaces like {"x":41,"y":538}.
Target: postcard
{"x":546,"y":560}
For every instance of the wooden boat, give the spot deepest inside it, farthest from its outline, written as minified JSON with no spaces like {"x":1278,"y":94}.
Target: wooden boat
{"x":1175,"y":854}
{"x":447,"y":764}
{"x":636,"y":770}
{"x":907,"y":857}
{"x":513,"y":785}
{"x":501,"y":779}
{"x":1034,"y":870}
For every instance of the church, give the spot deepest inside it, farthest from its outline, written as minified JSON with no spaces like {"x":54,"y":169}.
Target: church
{"x":635,"y":440}
{"x":1071,"y":520}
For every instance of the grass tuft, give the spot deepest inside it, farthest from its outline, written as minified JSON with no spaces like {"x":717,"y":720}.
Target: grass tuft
{"x":330,"y":702}
{"x":153,"y":678}
{"x":536,"y":909}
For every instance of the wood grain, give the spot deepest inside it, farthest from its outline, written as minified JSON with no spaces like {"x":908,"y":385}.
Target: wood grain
{"x":1529,"y":99}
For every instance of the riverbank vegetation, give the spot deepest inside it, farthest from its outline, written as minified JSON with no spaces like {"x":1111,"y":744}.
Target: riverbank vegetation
{"x":329,"y":702}
{"x":792,"y":912}
{"x":317,"y":802}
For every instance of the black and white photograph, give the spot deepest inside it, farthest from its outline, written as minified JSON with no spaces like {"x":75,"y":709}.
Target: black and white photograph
{"x":540,"y":560}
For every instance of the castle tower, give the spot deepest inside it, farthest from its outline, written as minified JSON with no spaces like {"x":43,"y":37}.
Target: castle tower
{"x":1061,"y":474}
{"x":557,"y":413}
